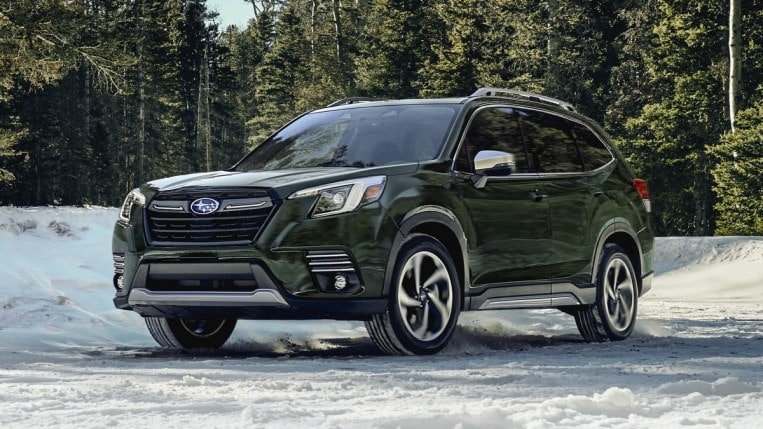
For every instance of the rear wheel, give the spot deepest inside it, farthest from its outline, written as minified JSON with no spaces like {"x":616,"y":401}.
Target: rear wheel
{"x":613,"y":316}
{"x":425,"y":300}
{"x":190,"y":333}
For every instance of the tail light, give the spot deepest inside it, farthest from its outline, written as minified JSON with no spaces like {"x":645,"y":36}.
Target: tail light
{"x":643,"y":192}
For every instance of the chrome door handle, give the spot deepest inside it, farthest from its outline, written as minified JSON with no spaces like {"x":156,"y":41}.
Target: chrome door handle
{"x":536,"y":197}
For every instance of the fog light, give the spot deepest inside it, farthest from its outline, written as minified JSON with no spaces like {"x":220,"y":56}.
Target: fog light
{"x":119,"y":282}
{"x":340,"y":282}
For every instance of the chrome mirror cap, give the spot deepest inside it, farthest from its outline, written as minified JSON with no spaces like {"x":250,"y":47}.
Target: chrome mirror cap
{"x":494,"y":163}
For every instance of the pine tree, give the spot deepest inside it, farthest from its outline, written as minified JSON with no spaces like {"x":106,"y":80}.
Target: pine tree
{"x":455,"y":67}
{"x":41,"y":44}
{"x":398,"y":41}
{"x":684,"y":117}
{"x":280,"y":75}
{"x":739,"y":183}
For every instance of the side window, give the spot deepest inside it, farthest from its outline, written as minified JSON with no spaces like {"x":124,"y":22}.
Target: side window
{"x":493,"y":129}
{"x":595,"y":154}
{"x":550,"y":142}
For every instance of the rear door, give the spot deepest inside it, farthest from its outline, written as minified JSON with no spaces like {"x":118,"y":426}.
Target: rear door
{"x":569,"y":159}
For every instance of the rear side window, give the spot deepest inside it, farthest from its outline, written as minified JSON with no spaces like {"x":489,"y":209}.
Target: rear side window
{"x":550,"y":142}
{"x":493,"y":129}
{"x":595,"y":154}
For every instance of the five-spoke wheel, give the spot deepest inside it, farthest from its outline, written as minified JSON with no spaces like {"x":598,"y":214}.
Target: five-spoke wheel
{"x":425,"y":296}
{"x":613,"y":316}
{"x":425,"y":300}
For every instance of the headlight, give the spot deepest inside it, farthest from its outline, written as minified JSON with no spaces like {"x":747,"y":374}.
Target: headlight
{"x":134,"y":197}
{"x":343,"y":197}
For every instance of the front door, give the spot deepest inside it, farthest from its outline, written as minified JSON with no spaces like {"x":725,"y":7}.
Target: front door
{"x":509,"y":216}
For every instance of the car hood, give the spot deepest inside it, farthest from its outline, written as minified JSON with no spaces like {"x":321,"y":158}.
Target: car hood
{"x":283,"y":182}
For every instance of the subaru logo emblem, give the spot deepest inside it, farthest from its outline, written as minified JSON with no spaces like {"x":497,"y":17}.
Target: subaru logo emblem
{"x":204,"y":206}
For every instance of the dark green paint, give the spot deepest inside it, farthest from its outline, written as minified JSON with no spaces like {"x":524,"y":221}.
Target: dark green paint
{"x":515,"y":245}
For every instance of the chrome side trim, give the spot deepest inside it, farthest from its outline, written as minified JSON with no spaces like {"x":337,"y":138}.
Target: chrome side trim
{"x":533,"y":301}
{"x":564,"y":300}
{"x":517,"y":302}
{"x":259,"y":297}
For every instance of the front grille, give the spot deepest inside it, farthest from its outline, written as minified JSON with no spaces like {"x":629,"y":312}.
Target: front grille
{"x":238,"y":218}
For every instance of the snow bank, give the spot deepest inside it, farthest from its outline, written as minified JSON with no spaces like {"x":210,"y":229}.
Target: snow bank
{"x":710,"y":269}
{"x":56,"y":275}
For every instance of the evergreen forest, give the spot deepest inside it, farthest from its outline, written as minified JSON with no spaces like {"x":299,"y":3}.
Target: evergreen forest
{"x":98,"y":96}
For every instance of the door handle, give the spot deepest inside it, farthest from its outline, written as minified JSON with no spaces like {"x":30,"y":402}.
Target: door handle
{"x":536,"y":197}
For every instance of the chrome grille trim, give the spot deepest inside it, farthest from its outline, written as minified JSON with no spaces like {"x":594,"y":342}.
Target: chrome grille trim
{"x":119,"y":263}
{"x":329,"y":262}
{"x":242,"y":215}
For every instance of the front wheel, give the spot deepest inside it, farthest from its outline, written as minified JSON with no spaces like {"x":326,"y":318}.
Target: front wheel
{"x":190,"y":333}
{"x":425,"y":300}
{"x":613,"y":316}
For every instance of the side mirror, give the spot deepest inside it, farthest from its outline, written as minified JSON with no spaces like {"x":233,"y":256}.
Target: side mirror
{"x":493,"y":163}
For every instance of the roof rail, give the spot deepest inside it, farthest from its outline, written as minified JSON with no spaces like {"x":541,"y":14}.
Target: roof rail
{"x":513,"y":93}
{"x":352,"y":100}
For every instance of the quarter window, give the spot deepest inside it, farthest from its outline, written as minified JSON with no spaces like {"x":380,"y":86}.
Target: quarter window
{"x":595,"y":154}
{"x":550,"y":142}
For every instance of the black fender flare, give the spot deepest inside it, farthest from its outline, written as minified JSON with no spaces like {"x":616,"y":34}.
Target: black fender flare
{"x":617,"y":226}
{"x":416,"y":221}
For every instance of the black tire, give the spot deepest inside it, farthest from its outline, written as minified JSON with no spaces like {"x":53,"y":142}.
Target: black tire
{"x":613,"y":316}
{"x":190,"y":333}
{"x":425,"y":299}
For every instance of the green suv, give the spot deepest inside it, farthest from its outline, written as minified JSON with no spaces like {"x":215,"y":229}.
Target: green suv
{"x":399,"y":213}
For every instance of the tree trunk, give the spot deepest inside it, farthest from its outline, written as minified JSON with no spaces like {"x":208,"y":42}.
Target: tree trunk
{"x":337,"y":5}
{"x":83,"y":186}
{"x":553,"y":31}
{"x":313,"y":12}
{"x":140,"y":171}
{"x":256,"y":10}
{"x":203,"y":107}
{"x":553,"y":44}
{"x":735,"y":58}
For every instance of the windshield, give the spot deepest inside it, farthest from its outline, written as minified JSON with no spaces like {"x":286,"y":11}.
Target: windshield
{"x":359,"y":137}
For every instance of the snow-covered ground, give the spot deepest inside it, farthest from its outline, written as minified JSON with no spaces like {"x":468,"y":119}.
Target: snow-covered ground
{"x":69,"y":359}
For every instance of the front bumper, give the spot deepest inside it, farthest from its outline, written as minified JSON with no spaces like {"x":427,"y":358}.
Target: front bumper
{"x":272,"y":307}
{"x":230,"y":290}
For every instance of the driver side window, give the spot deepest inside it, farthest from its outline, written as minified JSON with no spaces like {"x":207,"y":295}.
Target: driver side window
{"x":493,"y":128}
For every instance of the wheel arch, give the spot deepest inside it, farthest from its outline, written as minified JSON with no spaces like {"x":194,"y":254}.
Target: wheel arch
{"x":622,"y":235}
{"x":442,"y":225}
